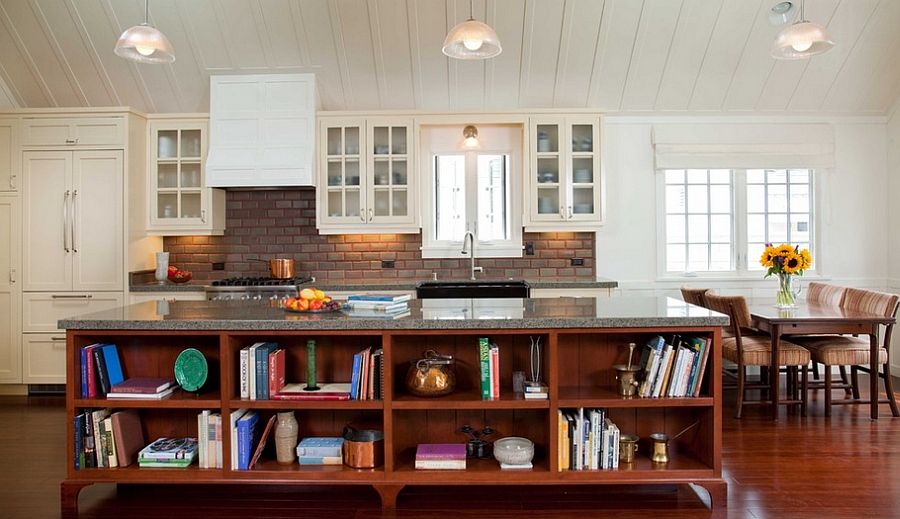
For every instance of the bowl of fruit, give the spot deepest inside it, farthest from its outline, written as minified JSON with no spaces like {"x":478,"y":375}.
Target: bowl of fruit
{"x":311,"y":300}
{"x":179,"y":276}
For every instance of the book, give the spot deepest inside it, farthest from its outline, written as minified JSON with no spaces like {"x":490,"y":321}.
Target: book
{"x":100,"y":371}
{"x":378,"y":306}
{"x":263,"y":439}
{"x":88,"y":377}
{"x":246,"y":438}
{"x":320,"y":446}
{"x":101,"y":456}
{"x":90,"y":456}
{"x":276,"y":370}
{"x":389,"y":297}
{"x":378,"y":376}
{"x":441,"y":451}
{"x":233,"y":433}
{"x":537,"y":396}
{"x":203,"y":439}
{"x":251,"y":370}
{"x":143,"y":385}
{"x":495,"y":371}
{"x":165,"y":464}
{"x":215,"y":440}
{"x":702,"y":368}
{"x":244,"y":361}
{"x":113,"y":364}
{"x":128,"y":435}
{"x":329,"y":391}
{"x":320,"y":460}
{"x":262,"y":369}
{"x":484,"y":358}
{"x":78,"y":433}
{"x":363,"y":314}
{"x":355,"y":373}
{"x":143,"y":396}
{"x":170,"y":449}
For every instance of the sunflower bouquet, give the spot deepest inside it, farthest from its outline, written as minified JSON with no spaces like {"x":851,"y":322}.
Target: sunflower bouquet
{"x":785,"y":261}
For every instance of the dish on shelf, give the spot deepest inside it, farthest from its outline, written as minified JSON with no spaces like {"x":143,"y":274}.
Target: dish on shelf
{"x":191,"y":369}
{"x":514,"y":450}
{"x":181,"y":279}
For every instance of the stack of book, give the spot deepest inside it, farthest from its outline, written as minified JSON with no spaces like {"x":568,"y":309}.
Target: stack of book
{"x":169,"y":453}
{"x":100,"y":369}
{"x":367,"y":376}
{"x":143,"y":388}
{"x":587,"y":440}
{"x":378,"y":306}
{"x":262,"y":367}
{"x":324,"y":391}
{"x":489,"y":357}
{"x":104,"y":438}
{"x":320,"y":451}
{"x":675,"y":368}
{"x":441,"y":456}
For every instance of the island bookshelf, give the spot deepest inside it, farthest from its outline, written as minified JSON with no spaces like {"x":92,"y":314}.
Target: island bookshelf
{"x":577,"y":364}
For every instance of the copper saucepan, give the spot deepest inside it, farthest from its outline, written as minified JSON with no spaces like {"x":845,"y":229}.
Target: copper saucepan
{"x":280,"y":268}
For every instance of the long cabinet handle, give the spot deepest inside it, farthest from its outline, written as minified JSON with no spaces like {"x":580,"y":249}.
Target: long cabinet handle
{"x":65,"y":216}
{"x":74,"y":217}
{"x":12,"y":275}
{"x":71,"y":296}
{"x":203,"y":216}
{"x":12,"y":181}
{"x":57,"y":339}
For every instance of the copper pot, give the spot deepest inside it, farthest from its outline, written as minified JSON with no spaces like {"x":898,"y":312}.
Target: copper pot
{"x":432,"y":375}
{"x":280,"y":268}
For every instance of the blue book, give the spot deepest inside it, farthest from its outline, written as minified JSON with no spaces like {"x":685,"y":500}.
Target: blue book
{"x":113,"y":364}
{"x":246,"y":432}
{"x":262,"y":369}
{"x":320,"y":447}
{"x":79,"y":441}
{"x":354,"y":376}
{"x":391,"y":298}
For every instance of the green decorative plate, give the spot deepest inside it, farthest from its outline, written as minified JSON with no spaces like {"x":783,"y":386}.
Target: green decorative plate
{"x":191,"y":369}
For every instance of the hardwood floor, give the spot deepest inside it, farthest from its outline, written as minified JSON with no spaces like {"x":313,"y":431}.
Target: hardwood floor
{"x":840,"y":467}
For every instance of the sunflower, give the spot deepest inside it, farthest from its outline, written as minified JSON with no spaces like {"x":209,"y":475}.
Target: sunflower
{"x":792,"y":264}
{"x":785,"y":250}
{"x":768,"y":256}
{"x":807,"y":258}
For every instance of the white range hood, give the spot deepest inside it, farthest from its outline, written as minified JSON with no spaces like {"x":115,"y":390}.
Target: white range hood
{"x":261,"y":131}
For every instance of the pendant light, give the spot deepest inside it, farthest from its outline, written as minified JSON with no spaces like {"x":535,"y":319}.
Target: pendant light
{"x":471,"y":40}
{"x":802,"y":39}
{"x":144,"y":43}
{"x":470,"y":138}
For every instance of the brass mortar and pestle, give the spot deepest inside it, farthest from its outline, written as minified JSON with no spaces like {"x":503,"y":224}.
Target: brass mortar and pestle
{"x":626,"y":374}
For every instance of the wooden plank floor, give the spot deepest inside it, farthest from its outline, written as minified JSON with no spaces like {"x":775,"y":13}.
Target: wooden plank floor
{"x":846,"y":466}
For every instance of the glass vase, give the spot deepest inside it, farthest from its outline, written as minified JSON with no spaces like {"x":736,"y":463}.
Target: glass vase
{"x":162,"y":267}
{"x":286,"y":429}
{"x":786,"y":297}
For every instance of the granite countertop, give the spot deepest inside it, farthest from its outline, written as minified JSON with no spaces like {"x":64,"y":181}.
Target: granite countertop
{"x":428,"y":314}
{"x":374,"y":284}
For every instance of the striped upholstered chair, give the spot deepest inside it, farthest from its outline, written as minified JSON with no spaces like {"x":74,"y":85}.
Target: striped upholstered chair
{"x":747,"y":347}
{"x":830,"y":295}
{"x":694,"y":296}
{"x":844,"y":350}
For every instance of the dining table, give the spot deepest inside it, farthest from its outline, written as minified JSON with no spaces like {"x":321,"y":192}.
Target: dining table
{"x":811,"y":318}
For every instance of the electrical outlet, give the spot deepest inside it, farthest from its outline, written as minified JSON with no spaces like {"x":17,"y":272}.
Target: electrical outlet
{"x":577,"y":262}
{"x":529,"y":248}
{"x":387,"y":264}
{"x":218,"y":266}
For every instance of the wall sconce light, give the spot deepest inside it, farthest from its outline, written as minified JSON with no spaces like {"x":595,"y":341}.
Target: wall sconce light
{"x":144,"y":43}
{"x":470,"y":138}
{"x":802,"y":39}
{"x":471,"y":39}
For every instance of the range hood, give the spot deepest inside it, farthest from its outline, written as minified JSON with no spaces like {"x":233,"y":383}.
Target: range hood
{"x":261,"y":131}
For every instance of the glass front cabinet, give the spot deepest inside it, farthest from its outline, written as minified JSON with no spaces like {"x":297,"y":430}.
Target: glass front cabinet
{"x":565,"y":184}
{"x":179,"y":203}
{"x":366,"y":181}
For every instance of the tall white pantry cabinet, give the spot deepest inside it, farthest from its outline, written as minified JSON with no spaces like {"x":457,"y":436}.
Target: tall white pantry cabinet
{"x":77,"y":175}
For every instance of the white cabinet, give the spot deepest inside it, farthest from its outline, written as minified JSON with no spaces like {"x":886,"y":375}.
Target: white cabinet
{"x":9,"y":154}
{"x":262,"y":130}
{"x":68,"y":131}
{"x":44,"y":358}
{"x":10,"y":338}
{"x":73,"y":220}
{"x":571,"y":292}
{"x":366,"y":176}
{"x":565,"y":184}
{"x":179,"y":202}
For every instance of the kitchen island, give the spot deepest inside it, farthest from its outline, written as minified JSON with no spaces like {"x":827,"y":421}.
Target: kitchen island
{"x":582,"y":339}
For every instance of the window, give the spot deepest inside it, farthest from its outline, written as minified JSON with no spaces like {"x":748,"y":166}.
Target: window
{"x":476,"y":191}
{"x":718,"y":220}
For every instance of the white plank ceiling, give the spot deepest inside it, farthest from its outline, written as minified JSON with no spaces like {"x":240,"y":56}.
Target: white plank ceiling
{"x":618,"y":56}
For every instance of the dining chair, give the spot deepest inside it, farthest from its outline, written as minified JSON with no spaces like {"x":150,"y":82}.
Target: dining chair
{"x":833,"y":295}
{"x":747,"y":347}
{"x":855,"y":351}
{"x":694,"y":296}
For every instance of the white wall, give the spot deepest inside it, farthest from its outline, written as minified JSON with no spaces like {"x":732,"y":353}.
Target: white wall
{"x":853,"y":208}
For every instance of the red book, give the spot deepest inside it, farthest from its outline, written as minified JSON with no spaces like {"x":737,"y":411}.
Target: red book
{"x":441,"y":451}
{"x":91,"y":374}
{"x":143,"y":385}
{"x":276,"y":371}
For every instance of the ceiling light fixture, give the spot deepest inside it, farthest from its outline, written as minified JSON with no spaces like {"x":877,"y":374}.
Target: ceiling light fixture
{"x":144,"y":43}
{"x":471,"y":40}
{"x":470,"y":138}
{"x":782,"y":12}
{"x":802,"y":39}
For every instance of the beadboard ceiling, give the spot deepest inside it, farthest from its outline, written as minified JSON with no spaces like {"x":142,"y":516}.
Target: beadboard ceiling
{"x":618,"y":56}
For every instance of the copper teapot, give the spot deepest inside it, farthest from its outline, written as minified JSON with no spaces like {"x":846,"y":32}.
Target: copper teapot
{"x":432,"y":375}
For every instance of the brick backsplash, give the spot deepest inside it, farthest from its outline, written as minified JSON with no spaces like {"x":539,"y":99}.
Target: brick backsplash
{"x":267,"y":224}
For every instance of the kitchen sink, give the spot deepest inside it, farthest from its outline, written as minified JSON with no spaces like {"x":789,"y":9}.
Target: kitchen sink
{"x":472,"y":289}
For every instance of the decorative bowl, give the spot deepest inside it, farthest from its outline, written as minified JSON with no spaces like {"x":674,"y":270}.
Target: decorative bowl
{"x":514,"y":450}
{"x":182,"y":279}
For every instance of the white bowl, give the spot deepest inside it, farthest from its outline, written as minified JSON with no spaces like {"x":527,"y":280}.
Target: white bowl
{"x":514,"y":450}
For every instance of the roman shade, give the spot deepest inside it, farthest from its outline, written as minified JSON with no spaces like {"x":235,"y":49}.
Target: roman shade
{"x":744,"y":146}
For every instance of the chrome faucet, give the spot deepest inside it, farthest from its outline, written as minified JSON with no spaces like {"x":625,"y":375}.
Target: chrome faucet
{"x":469,"y":238}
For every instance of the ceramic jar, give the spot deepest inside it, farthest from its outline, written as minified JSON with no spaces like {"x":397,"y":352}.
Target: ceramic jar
{"x":286,"y":429}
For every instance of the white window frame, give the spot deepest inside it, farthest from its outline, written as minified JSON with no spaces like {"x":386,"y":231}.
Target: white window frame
{"x":743,"y":259}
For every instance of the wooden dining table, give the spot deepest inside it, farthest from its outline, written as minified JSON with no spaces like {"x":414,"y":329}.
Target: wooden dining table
{"x":815,"y":318}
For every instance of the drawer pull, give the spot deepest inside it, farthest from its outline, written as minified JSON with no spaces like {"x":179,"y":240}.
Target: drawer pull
{"x":71,"y":296}
{"x":55,"y":339}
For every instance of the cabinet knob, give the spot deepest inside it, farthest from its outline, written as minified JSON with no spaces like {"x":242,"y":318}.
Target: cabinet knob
{"x":71,"y":141}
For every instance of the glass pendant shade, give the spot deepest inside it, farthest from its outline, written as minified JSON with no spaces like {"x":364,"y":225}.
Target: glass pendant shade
{"x":802,"y":39}
{"x":144,"y":43}
{"x":471,"y":40}
{"x":470,"y":138}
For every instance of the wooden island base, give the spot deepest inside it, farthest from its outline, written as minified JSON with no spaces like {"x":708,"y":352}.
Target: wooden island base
{"x":580,"y":348}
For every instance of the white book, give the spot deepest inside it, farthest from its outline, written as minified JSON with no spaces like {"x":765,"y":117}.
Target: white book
{"x":661,"y":371}
{"x":245,"y":366}
{"x":676,"y":373}
{"x":251,"y":370}
{"x":235,"y":416}
{"x":203,"y":439}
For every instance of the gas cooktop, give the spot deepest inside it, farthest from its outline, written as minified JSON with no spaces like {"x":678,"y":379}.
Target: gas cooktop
{"x":255,"y":288}
{"x":260,"y":281}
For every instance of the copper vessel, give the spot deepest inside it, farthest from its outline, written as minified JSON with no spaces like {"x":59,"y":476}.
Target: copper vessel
{"x":432,"y":375}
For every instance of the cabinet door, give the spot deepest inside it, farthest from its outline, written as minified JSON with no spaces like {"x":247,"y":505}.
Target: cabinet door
{"x":76,"y":131}
{"x":179,"y":202}
{"x":44,"y":358}
{"x":10,"y":346}
{"x":42,"y":310}
{"x":342,"y":151}
{"x":46,"y":217}
{"x":9,"y":155}
{"x":388,"y":181}
{"x":548,"y":171}
{"x":98,"y":219}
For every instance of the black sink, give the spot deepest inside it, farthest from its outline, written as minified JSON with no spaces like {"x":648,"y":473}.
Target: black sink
{"x":472,"y":289}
